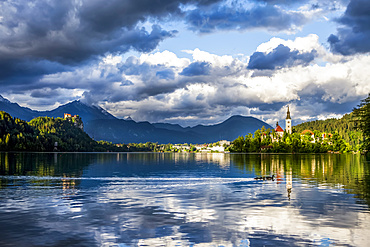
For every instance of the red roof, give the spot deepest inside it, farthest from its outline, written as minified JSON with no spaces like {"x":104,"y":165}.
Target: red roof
{"x":279,"y":129}
{"x":307,"y":131}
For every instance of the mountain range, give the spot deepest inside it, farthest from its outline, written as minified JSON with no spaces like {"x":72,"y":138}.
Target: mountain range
{"x":101,"y":125}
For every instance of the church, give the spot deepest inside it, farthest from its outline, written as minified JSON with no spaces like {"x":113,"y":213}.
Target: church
{"x":279,"y":131}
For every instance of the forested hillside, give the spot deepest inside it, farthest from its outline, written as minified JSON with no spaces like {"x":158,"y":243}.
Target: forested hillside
{"x":42,"y":134}
{"x":344,"y":126}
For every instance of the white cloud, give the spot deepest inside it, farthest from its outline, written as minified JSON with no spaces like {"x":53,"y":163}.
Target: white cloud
{"x":112,"y":60}
{"x":134,"y":88}
{"x":166,"y":58}
{"x":215,"y":60}
{"x":302,"y":44}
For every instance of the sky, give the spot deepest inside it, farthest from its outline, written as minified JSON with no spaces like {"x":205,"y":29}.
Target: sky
{"x":188,"y":62}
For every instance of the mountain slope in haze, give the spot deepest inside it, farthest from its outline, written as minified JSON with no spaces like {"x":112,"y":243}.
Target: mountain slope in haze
{"x":101,"y":125}
{"x":86,"y":112}
{"x":128,"y":131}
{"x":17,"y":111}
{"x":119,"y":131}
{"x":229,"y":130}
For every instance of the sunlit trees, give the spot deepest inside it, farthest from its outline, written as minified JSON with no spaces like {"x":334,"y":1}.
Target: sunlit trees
{"x":238,"y":145}
{"x":344,"y":126}
{"x":41,"y":134}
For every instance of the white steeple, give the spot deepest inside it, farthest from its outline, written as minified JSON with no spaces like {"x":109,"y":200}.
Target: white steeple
{"x":288,"y":122}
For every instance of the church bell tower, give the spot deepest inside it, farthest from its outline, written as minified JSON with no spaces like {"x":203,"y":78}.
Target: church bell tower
{"x":288,"y":122}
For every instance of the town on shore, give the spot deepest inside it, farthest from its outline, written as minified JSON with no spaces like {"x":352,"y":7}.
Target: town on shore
{"x":67,"y":135}
{"x":278,"y":140}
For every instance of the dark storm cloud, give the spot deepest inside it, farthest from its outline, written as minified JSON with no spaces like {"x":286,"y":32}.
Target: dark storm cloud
{"x":280,"y":57}
{"x":287,"y":2}
{"x":354,"y":36}
{"x":39,"y":38}
{"x":196,"y":69}
{"x":71,"y":32}
{"x":231,"y":18}
{"x":132,"y":66}
{"x":44,"y":93}
{"x":26,"y":71}
{"x":314,"y":100}
{"x":271,"y":107}
{"x":82,"y":47}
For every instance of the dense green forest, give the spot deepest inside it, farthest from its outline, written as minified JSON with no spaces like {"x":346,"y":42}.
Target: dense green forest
{"x":58,"y":134}
{"x":345,"y":127}
{"x":362,"y":119}
{"x":262,"y":141}
{"x":48,"y":134}
{"x":336,"y":135}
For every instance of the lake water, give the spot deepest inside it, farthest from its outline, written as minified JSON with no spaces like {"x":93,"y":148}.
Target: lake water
{"x":170,"y":199}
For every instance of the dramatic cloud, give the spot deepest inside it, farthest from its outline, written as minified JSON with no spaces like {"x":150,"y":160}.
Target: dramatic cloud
{"x":282,"y":1}
{"x":69,"y":33}
{"x":166,"y":74}
{"x":280,"y":57}
{"x":196,"y":68}
{"x":41,"y":38}
{"x":230,"y":88}
{"x":238,"y":18}
{"x":353,"y":37}
{"x":128,"y":57}
{"x":44,"y":37}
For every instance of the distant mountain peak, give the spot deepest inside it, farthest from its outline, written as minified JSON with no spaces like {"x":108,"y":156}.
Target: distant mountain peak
{"x":86,"y":111}
{"x":2,"y":99}
{"x":93,"y":106}
{"x":101,"y":125}
{"x":79,"y":102}
{"x":238,"y":117}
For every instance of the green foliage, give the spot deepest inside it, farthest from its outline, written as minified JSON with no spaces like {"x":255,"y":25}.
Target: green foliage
{"x":47,"y":134}
{"x":345,"y":127}
{"x":16,"y":134}
{"x":252,"y":143}
{"x":261,"y":141}
{"x":362,"y":122}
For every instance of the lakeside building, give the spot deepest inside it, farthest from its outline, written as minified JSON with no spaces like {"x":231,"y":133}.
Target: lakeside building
{"x":218,"y":147}
{"x":207,"y":148}
{"x":308,"y":134}
{"x":279,"y":132}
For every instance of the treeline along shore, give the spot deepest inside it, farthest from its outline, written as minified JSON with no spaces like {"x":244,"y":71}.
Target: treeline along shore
{"x":267,"y":141}
{"x":46,"y":134}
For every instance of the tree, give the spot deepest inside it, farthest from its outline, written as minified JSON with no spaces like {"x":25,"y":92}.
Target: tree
{"x":362,"y":121}
{"x":238,"y":145}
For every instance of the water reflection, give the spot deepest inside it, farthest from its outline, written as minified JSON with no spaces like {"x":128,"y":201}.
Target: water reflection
{"x":149,"y":199}
{"x":344,"y":171}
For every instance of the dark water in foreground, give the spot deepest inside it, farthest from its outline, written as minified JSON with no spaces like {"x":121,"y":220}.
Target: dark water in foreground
{"x":152,"y":199}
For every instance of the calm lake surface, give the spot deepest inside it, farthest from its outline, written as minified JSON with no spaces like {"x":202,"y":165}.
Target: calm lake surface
{"x":156,"y":199}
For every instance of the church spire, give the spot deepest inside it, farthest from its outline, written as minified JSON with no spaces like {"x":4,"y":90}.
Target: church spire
{"x":288,"y":114}
{"x":288,"y":122}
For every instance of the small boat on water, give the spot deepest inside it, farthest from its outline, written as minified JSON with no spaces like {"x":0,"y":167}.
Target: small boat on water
{"x":265,"y":178}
